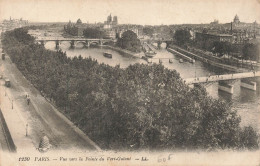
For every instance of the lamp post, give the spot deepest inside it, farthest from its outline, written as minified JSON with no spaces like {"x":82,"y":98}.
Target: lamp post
{"x":26,"y":134}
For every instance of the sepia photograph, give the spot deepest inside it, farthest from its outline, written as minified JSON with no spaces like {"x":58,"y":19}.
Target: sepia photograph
{"x":130,"y":82}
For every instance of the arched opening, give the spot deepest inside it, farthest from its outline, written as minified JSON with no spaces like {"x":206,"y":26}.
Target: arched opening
{"x":94,"y":43}
{"x":80,"y":44}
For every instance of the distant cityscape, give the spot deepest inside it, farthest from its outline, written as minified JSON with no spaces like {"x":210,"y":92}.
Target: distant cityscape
{"x":236,"y":32}
{"x":130,"y":87}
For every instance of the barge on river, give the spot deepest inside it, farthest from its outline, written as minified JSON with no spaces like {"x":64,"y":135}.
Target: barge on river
{"x":108,"y":55}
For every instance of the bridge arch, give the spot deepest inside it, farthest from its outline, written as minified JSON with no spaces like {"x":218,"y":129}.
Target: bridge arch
{"x":94,"y":43}
{"x":106,"y":42}
{"x":83,"y":42}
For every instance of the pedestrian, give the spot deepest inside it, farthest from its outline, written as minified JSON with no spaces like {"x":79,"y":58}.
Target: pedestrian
{"x":28,"y":99}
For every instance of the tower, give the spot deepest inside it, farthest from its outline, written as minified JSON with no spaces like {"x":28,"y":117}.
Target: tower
{"x":109,"y":19}
{"x":115,"y":20}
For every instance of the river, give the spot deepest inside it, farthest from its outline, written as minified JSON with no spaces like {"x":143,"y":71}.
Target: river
{"x":246,"y":102}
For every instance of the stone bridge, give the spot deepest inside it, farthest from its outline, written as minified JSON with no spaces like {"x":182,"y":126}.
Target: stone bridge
{"x":247,"y":80}
{"x":158,"y":41}
{"x":73,"y":41}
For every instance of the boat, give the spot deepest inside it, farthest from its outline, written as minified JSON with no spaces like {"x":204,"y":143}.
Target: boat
{"x":170,"y":61}
{"x":192,"y":61}
{"x":149,"y":60}
{"x":108,"y":55}
{"x":150,"y":54}
{"x":181,"y":60}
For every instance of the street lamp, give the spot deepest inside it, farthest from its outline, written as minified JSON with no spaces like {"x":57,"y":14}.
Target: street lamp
{"x":26,"y":130}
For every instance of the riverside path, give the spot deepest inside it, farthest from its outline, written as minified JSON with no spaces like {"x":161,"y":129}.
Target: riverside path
{"x":40,"y":116}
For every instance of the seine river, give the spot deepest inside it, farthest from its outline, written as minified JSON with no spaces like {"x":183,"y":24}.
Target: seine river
{"x":246,"y":102}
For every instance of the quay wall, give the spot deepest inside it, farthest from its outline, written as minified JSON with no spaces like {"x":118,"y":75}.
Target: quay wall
{"x":124,"y":52}
{"x":9,"y":140}
{"x":208,"y":61}
{"x":180,"y":54}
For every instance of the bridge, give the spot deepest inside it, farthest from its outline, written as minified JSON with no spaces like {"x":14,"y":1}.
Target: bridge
{"x":73,"y":41}
{"x":158,"y":41}
{"x":246,"y":83}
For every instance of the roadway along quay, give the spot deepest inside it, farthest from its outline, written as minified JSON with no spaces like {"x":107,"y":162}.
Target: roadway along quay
{"x":29,"y":123}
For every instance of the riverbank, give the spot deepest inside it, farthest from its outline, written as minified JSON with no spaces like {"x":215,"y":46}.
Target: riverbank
{"x":124,"y":52}
{"x":208,"y":60}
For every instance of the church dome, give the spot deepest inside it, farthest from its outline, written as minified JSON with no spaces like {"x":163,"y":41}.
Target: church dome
{"x":79,"y":21}
{"x":236,"y":19}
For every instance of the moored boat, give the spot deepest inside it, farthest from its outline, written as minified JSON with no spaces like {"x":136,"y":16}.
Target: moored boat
{"x":192,"y":61}
{"x":108,"y":55}
{"x":150,"y":54}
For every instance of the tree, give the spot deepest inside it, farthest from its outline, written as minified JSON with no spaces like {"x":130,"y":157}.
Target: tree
{"x":182,"y":37}
{"x":148,"y":31}
{"x":140,"y":107}
{"x":221,"y":47}
{"x":93,"y":33}
{"x":129,"y":41}
{"x":251,"y":51}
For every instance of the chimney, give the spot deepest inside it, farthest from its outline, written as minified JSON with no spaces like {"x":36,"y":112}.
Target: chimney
{"x":231,"y":28}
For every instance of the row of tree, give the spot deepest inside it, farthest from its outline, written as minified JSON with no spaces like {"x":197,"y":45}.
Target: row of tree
{"x":140,"y":107}
{"x":93,"y":33}
{"x":249,"y":51}
{"x":72,"y":30}
{"x":129,"y":41}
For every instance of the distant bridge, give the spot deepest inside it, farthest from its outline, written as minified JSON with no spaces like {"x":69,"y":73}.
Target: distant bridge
{"x":73,"y":41}
{"x":222,"y":79}
{"x":214,"y":78}
{"x":158,"y":41}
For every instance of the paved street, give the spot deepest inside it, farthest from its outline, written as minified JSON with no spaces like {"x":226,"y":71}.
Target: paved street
{"x":40,"y":115}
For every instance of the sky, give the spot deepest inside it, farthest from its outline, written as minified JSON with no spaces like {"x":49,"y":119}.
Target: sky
{"x":144,"y":12}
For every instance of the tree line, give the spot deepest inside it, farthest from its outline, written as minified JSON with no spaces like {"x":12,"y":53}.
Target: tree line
{"x":249,"y":51}
{"x":140,"y":107}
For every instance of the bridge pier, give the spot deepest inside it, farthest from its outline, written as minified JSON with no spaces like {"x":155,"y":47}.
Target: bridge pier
{"x":57,"y":44}
{"x":159,"y":45}
{"x":224,"y":86}
{"x":42,"y":42}
{"x":248,"y":84}
{"x":167,"y":44}
{"x":72,"y":44}
{"x":101,"y":43}
{"x":87,"y":44}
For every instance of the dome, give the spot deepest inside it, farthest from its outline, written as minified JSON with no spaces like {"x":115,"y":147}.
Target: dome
{"x":79,"y":21}
{"x":236,"y":19}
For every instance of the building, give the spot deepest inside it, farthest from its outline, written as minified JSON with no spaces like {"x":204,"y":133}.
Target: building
{"x":236,"y":20}
{"x":110,"y":33}
{"x":13,"y":23}
{"x":115,"y":22}
{"x":110,"y":26}
{"x":243,"y":32}
{"x":206,"y":40}
{"x":75,"y":29}
{"x":215,"y":22}
{"x":213,"y":37}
